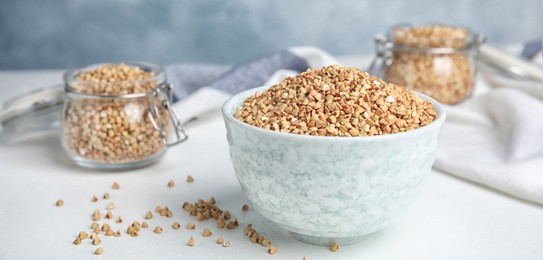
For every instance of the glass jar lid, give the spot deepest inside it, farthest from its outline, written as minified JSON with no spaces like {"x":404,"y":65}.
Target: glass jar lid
{"x":34,"y":112}
{"x":432,"y":38}
{"x":131,"y":83}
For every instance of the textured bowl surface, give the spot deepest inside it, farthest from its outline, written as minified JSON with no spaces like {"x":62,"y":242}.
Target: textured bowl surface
{"x":329,"y":189}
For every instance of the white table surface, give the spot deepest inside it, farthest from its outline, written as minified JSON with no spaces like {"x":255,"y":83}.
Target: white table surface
{"x":451,"y":219}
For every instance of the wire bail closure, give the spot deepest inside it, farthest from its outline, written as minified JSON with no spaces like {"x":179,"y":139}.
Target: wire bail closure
{"x":165,"y":90}
{"x":383,"y":56}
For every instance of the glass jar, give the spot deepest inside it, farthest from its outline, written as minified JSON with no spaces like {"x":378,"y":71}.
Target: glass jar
{"x":109,"y":123}
{"x":437,"y":60}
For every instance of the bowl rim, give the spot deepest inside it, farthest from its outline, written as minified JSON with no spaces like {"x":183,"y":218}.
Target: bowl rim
{"x":236,"y":100}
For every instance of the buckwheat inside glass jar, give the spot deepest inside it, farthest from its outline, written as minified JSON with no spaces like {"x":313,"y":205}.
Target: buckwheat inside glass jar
{"x":118,"y":116}
{"x":437,"y":60}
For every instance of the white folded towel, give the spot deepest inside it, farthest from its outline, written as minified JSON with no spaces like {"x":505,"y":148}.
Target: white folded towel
{"x":496,"y":139}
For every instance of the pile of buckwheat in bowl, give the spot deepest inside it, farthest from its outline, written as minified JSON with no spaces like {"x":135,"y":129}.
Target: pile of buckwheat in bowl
{"x":336,"y":101}
{"x":332,"y":154}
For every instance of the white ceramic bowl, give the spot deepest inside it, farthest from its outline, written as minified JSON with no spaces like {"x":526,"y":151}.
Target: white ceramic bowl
{"x":330,"y":189}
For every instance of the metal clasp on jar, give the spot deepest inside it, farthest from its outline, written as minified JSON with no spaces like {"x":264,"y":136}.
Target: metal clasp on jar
{"x":383,"y":56}
{"x":165,"y":91}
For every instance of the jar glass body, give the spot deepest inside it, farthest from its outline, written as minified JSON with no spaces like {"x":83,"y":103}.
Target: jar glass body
{"x":115,"y":131}
{"x":110,"y":133}
{"x":442,"y":67}
{"x":448,"y":78}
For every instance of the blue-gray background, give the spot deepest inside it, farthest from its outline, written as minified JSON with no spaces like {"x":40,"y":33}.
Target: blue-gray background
{"x":65,"y":33}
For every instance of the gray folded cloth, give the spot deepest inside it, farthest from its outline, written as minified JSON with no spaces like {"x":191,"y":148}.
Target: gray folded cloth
{"x":186,"y":79}
{"x":532,"y":48}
